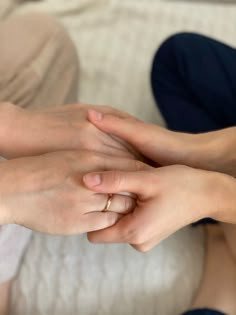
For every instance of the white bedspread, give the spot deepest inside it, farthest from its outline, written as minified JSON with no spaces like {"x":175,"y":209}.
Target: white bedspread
{"x":116,"y":40}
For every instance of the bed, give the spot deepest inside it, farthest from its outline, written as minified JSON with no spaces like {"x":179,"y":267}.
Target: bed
{"x":116,"y":41}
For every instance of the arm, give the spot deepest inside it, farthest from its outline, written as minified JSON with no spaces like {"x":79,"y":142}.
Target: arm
{"x":168,"y":199}
{"x":215,"y":151}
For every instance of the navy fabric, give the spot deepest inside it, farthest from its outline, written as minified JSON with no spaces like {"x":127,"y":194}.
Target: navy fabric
{"x":203,"y":312}
{"x":194,"y":83}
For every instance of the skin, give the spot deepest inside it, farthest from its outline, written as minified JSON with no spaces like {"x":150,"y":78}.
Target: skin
{"x":161,"y":202}
{"x":218,"y":285}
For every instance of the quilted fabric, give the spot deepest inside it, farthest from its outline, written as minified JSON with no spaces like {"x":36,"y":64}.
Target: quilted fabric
{"x":68,"y":276}
{"x":116,"y":41}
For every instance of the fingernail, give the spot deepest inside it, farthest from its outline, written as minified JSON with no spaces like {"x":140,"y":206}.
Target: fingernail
{"x":98,"y":116}
{"x":92,"y":180}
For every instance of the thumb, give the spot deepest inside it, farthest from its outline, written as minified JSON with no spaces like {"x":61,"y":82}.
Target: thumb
{"x":114,"y":182}
{"x":134,"y":131}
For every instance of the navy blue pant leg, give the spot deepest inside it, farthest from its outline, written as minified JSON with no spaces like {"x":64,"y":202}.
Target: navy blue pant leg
{"x":203,"y":312}
{"x":194,"y":83}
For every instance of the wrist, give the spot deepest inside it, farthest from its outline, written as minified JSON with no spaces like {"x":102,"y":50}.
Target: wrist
{"x":8,"y":125}
{"x":214,"y":151}
{"x":186,"y":149}
{"x":201,"y":152}
{"x":6,"y":217}
{"x":13,"y":119}
{"x":224,"y":147}
{"x":223,"y":192}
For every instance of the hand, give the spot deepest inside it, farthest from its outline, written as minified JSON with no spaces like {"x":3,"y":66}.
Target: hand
{"x":47,"y":194}
{"x":213,"y":151}
{"x":27,"y":133}
{"x":168,"y":199}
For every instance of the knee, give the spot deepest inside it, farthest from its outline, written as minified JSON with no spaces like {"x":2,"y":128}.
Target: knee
{"x":36,"y":52}
{"x":46,"y":29}
{"x":175,"y":47}
{"x":25,"y":37}
{"x":169,"y":57}
{"x":55,"y":34}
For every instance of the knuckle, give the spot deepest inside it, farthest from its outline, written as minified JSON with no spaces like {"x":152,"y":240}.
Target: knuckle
{"x":83,"y":143}
{"x":85,"y":137}
{"x":78,"y":106}
{"x":71,"y":184}
{"x":128,"y":204}
{"x":97,"y":159}
{"x":72,"y":156}
{"x":134,"y":236}
{"x":143,"y":248}
{"x":137,"y":238}
{"x":84,"y":156}
{"x":105,"y":109}
{"x":179,"y":167}
{"x":92,"y":237}
{"x":140,"y":166}
{"x":153,"y":178}
{"x":110,"y":218}
{"x":115,"y":180}
{"x":88,"y":157}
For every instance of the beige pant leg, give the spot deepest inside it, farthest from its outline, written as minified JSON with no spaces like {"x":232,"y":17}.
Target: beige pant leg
{"x":38,"y":69}
{"x":38,"y":62}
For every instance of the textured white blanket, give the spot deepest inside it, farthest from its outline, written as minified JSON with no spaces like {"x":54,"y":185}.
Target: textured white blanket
{"x":116,"y":40}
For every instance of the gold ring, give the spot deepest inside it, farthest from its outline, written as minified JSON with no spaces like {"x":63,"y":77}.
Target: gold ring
{"x":108,"y":204}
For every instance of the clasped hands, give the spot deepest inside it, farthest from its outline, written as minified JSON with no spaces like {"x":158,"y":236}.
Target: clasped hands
{"x":64,"y":162}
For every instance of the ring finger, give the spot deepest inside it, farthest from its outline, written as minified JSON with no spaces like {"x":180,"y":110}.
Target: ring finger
{"x":122,"y":204}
